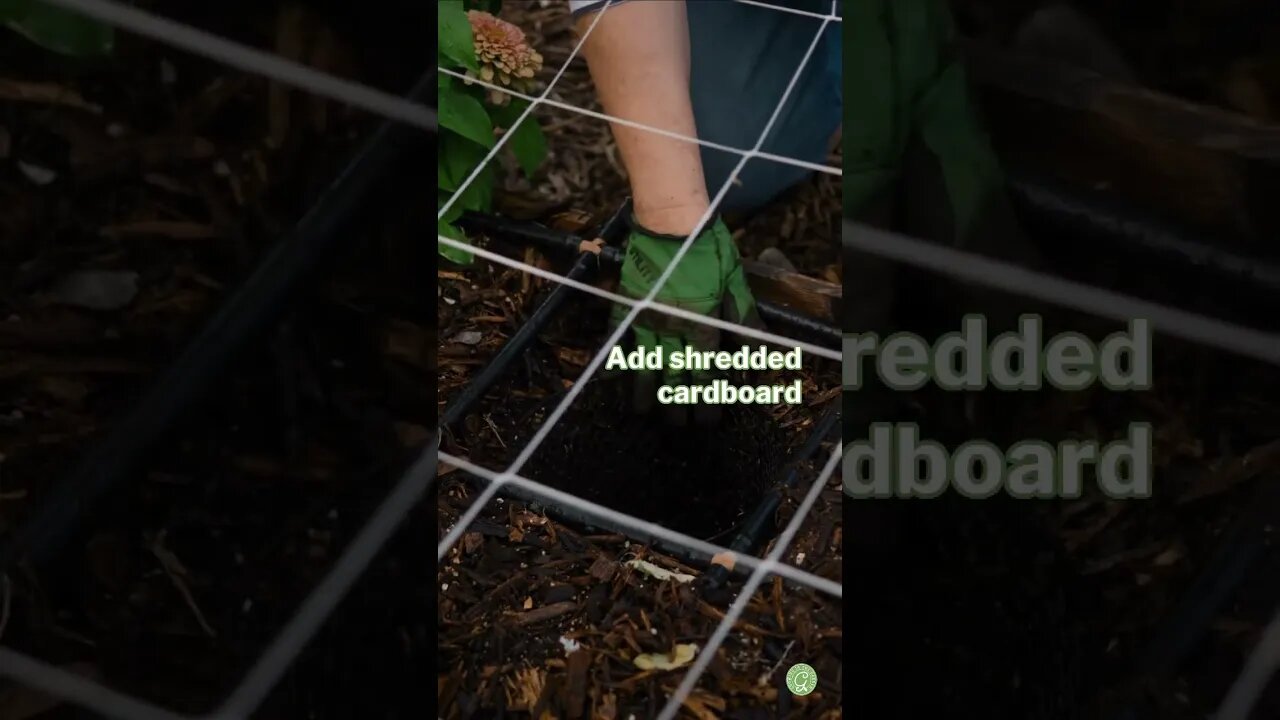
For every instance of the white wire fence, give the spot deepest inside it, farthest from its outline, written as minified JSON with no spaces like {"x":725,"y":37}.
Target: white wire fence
{"x":497,"y":481}
{"x":411,"y":487}
{"x":962,"y":265}
{"x":409,"y":490}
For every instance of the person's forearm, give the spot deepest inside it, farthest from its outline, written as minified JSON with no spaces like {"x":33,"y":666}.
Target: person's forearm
{"x":638,"y":54}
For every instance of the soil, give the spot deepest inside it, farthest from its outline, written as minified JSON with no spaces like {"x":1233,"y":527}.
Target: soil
{"x":699,"y":480}
{"x":1070,"y":608}
{"x":521,"y":579}
{"x":1094,"y":607}
{"x":186,"y":173}
{"x":1055,"y":609}
{"x":1206,"y":51}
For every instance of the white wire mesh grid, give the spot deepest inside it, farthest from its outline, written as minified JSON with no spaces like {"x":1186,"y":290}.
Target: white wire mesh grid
{"x":962,"y":265}
{"x":322,"y":600}
{"x":601,"y":513}
{"x":1260,"y":668}
{"x":676,"y":700}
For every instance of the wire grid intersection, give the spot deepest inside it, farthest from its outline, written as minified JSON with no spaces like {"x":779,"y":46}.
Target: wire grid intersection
{"x":751,"y":332}
{"x":614,"y":119}
{"x":604,"y":514}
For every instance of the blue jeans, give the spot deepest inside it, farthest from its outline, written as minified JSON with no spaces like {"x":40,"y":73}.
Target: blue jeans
{"x":744,"y":56}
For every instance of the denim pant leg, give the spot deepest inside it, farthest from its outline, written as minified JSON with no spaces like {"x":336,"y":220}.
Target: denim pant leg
{"x":743,"y":58}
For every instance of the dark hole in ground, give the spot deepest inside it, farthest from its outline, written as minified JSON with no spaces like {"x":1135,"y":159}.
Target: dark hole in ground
{"x":699,"y":481}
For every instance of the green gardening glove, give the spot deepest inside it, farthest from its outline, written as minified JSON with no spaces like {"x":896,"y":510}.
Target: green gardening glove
{"x":709,"y":280}
{"x":906,"y":82}
{"x":916,"y":157}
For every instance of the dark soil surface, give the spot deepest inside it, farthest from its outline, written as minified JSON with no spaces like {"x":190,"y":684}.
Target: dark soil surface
{"x":1063,"y":609}
{"x":520,"y":579}
{"x":1225,"y":54}
{"x":520,"y":586}
{"x":186,"y":173}
{"x":698,"y":480}
{"x":1071,"y":609}
{"x":1094,"y":607}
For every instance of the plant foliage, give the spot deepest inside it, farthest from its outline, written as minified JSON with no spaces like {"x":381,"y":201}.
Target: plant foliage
{"x":469,"y":125}
{"x":57,"y":29}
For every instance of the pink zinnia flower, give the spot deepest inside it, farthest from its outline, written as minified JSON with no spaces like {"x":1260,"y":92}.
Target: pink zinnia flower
{"x":504,"y":55}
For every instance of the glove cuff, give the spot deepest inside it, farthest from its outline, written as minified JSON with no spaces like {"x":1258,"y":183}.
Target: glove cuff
{"x":635,"y":225}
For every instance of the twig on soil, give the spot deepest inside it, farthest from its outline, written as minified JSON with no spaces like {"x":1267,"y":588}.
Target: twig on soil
{"x":1121,"y":558}
{"x":494,"y":428}
{"x":704,"y":706}
{"x":46,"y":94}
{"x":546,"y":613}
{"x":764,"y":679}
{"x":174,"y":568}
{"x":526,"y":280}
{"x":777,"y":603}
{"x":1235,"y":472}
{"x":1074,"y":540}
{"x":715,"y":614}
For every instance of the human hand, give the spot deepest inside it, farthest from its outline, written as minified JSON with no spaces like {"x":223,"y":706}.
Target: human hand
{"x":709,"y":280}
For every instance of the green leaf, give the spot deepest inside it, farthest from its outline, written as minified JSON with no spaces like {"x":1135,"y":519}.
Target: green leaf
{"x":54,"y":28}
{"x":462,"y":257}
{"x":458,"y":157}
{"x":465,"y":115}
{"x":529,"y":145}
{"x":479,"y":194}
{"x":455,"y":210}
{"x":504,"y":116}
{"x":453,"y":33}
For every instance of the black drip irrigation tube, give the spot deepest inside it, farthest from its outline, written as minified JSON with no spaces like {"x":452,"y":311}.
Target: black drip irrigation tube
{"x":254,"y":307}
{"x":516,"y":345}
{"x":1174,"y":639}
{"x":751,"y":533}
{"x":1064,"y":212}
{"x":530,"y":232}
